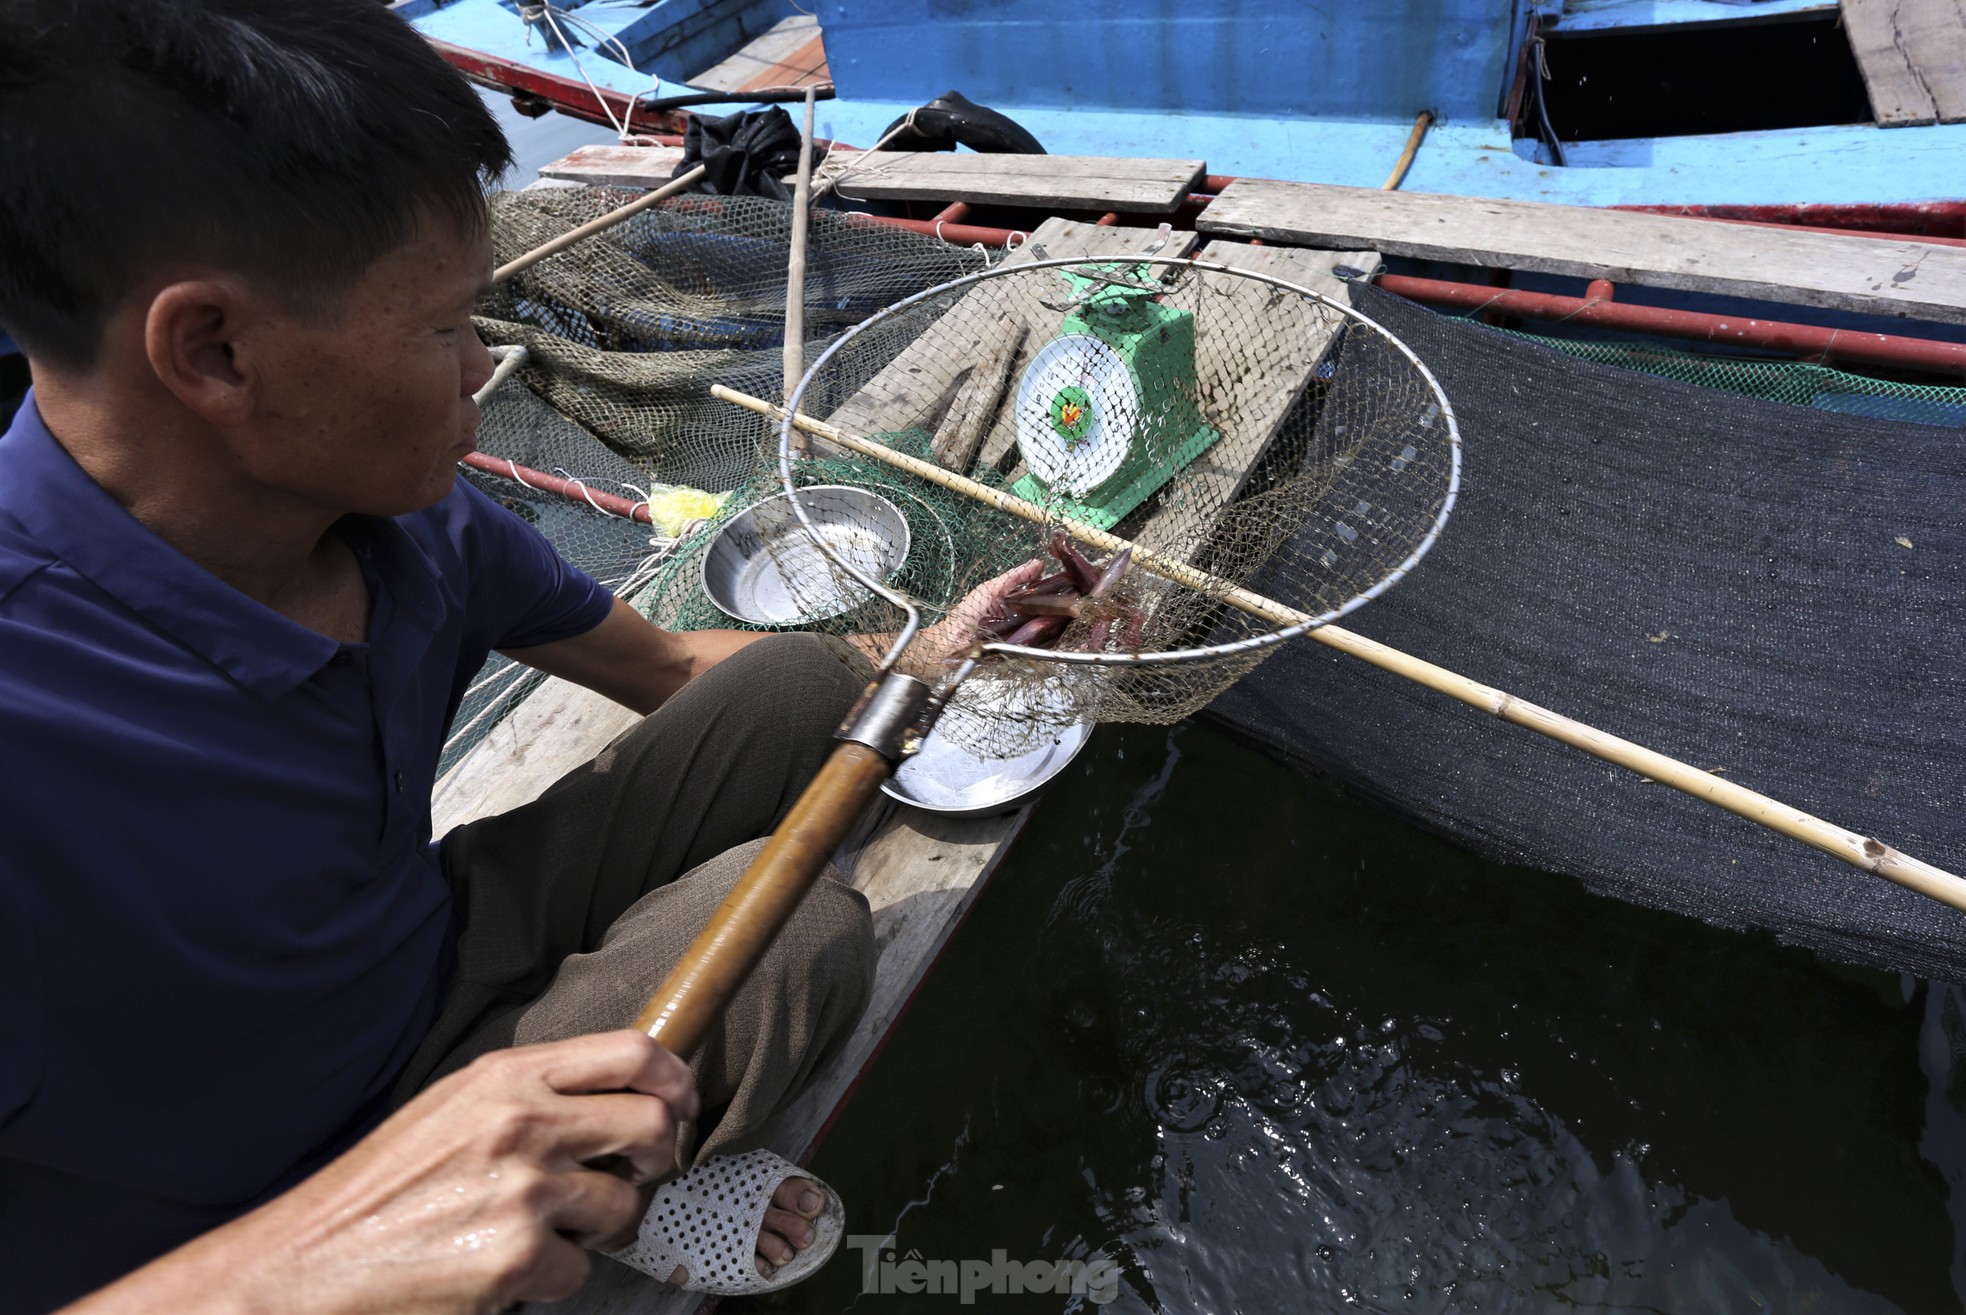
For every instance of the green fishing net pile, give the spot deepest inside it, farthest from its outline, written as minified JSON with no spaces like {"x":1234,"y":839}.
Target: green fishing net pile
{"x":1794,"y":382}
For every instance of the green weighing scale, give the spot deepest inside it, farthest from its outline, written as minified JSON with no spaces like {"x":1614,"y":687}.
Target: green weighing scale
{"x":1106,"y":411}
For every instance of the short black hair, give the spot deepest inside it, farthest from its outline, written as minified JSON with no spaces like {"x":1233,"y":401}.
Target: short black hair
{"x":291,"y":141}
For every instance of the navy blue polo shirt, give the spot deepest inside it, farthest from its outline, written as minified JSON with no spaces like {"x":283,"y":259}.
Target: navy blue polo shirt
{"x":223,"y":924}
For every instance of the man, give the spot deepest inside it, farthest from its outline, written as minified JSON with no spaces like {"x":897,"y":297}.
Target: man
{"x":241,"y":593}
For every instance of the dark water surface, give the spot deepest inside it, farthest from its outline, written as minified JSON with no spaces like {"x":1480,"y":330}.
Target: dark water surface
{"x":1272,"y":1050}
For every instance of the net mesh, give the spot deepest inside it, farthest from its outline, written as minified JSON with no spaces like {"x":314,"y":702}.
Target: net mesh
{"x":1219,"y":423}
{"x":1770,"y":592}
{"x":1794,"y":382}
{"x":625,"y":333}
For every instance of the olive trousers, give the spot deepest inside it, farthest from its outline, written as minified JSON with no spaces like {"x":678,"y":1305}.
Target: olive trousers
{"x":573,"y":908}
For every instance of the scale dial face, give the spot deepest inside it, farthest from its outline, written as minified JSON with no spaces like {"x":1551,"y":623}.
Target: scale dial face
{"x":1078,"y":410}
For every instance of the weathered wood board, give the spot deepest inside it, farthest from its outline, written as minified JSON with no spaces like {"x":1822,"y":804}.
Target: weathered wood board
{"x":1913,"y":57}
{"x":1051,"y":182}
{"x":617,"y":166}
{"x":1275,"y":368}
{"x":552,"y":731}
{"x":791,"y":54}
{"x":1874,"y":275}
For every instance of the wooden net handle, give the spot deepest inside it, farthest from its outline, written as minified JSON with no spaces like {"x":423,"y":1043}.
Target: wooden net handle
{"x":694,"y":994}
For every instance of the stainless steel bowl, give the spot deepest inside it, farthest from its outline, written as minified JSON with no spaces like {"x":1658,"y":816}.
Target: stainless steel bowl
{"x":763,"y":566}
{"x":948,"y":777}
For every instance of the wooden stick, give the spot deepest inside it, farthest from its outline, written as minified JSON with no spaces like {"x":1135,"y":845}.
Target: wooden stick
{"x":508,"y":359}
{"x":1872,"y":855}
{"x":969,"y":421}
{"x":1413,"y":140}
{"x":593,"y":226}
{"x":718,"y":961}
{"x":795,"y":271}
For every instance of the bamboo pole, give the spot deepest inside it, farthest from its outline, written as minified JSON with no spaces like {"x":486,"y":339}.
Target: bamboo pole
{"x":593,"y":226}
{"x":795,"y":270}
{"x":1865,"y":852}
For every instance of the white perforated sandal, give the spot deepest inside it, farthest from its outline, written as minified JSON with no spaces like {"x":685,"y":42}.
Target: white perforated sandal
{"x":708,"y":1221}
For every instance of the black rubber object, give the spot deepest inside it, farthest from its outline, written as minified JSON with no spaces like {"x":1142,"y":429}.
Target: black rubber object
{"x":783,"y":96}
{"x":952,"y":120}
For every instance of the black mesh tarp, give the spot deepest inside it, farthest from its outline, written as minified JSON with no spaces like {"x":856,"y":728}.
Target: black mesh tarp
{"x":1767,"y":590}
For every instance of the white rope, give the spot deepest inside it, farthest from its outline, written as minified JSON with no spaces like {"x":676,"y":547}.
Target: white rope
{"x":502,"y":673}
{"x":532,"y":11}
{"x":854,"y":162}
{"x":514,"y":675}
{"x":580,"y":484}
{"x":512,"y":471}
{"x":646,"y":503}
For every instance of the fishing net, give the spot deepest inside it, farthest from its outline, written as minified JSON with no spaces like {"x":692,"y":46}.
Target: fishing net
{"x":625,"y":332}
{"x":1765,"y":589}
{"x":1770,"y":592}
{"x":1794,"y":382}
{"x":1158,"y":431}
{"x":627,"y":329}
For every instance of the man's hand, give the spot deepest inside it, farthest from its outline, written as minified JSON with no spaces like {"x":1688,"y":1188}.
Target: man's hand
{"x":955,"y":632}
{"x":474,"y":1196}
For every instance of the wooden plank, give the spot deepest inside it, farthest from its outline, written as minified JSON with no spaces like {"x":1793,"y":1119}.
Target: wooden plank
{"x":553,"y":730}
{"x":804,"y":67}
{"x":781,"y":44}
{"x":1270,"y":371}
{"x":920,"y":873}
{"x":1874,"y":275}
{"x":1624,"y":16}
{"x":1913,"y":57}
{"x":1051,"y":182}
{"x":617,"y":166}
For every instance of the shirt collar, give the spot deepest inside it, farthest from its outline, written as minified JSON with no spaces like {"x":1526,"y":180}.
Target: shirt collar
{"x":75,"y":518}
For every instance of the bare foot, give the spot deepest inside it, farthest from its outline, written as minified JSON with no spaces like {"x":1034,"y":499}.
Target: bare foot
{"x":787,"y":1228}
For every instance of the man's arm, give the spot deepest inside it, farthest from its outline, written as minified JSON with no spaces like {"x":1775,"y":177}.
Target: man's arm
{"x":472,"y":1197}
{"x":631,"y":660}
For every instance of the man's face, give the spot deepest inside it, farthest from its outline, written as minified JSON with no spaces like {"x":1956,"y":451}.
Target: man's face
{"x":368,"y":408}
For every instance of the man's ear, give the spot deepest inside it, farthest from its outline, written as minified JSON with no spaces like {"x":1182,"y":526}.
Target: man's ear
{"x":190,"y":335}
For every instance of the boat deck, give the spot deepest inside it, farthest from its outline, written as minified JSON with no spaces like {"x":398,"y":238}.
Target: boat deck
{"x":791,"y":54}
{"x":1152,"y":77}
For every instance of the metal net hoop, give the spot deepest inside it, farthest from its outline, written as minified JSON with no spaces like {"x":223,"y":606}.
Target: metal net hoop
{"x":1267,"y":459}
